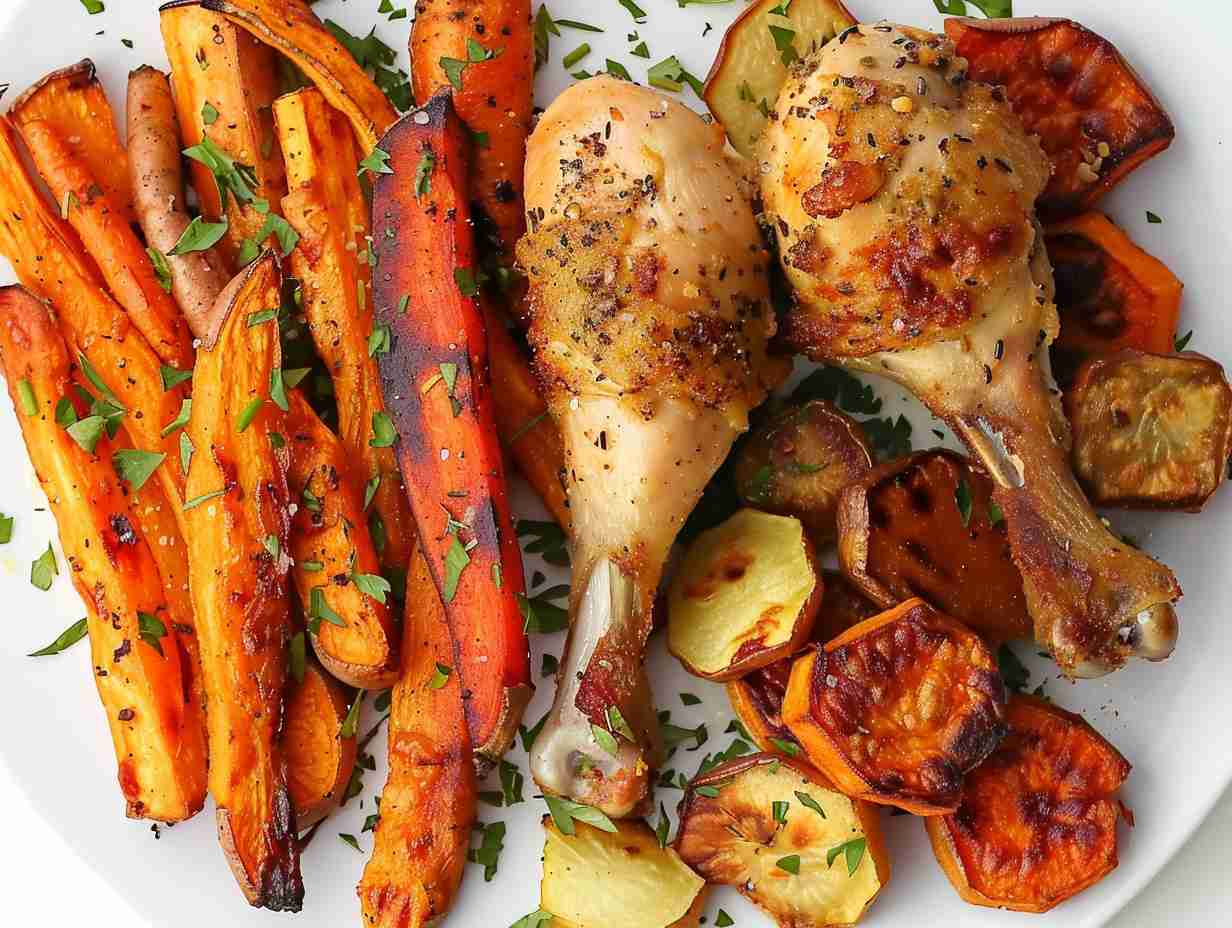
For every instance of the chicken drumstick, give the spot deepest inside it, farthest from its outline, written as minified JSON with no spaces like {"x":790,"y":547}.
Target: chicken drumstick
{"x":903,"y":199}
{"x":649,"y":321}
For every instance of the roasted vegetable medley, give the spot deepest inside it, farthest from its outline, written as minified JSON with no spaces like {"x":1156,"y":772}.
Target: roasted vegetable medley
{"x":281,"y":337}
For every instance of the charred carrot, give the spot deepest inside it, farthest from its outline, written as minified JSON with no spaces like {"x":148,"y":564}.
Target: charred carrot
{"x":440,"y":402}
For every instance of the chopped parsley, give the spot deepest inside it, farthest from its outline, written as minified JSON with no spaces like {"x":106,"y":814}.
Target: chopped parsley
{"x":491,"y":843}
{"x":565,"y":812}
{"x":852,"y":851}
{"x":152,"y":631}
{"x":962,"y":499}
{"x":375,"y":163}
{"x":456,"y":561}
{"x":44,"y":569}
{"x":135,"y":466}
{"x":440,"y":676}
{"x":199,"y":236}
{"x":66,"y":639}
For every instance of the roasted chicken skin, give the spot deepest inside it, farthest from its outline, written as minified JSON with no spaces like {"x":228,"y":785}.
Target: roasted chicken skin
{"x":650,"y":319}
{"x":903,"y":199}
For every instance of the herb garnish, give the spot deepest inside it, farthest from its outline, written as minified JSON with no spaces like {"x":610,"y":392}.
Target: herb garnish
{"x":136,"y":466}
{"x":565,"y":812}
{"x":440,"y":676}
{"x":152,"y":631}
{"x":852,"y":850}
{"x":67,"y":638}
{"x":789,"y":864}
{"x":456,"y":561}
{"x":44,"y":569}
{"x":487,"y":855}
{"x":199,"y":236}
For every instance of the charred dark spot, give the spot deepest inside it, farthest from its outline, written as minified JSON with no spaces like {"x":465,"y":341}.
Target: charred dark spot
{"x":123,"y":529}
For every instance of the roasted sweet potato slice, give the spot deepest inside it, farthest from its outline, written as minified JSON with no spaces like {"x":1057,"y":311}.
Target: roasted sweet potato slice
{"x":745,"y":595}
{"x":1037,"y":822}
{"x":797,"y":464}
{"x":327,"y":208}
{"x":750,"y":68}
{"x":440,"y":404}
{"x":757,"y":697}
{"x":1111,"y":294}
{"x":292,"y":28}
{"x":238,"y":522}
{"x":141,"y":671}
{"x":319,"y":758}
{"x":73,"y":103}
{"x":926,"y":525}
{"x":107,"y":236}
{"x":593,"y":876}
{"x":1096,"y":119}
{"x":1151,"y":431}
{"x":336,"y":572}
{"x":428,"y":805}
{"x":777,"y":832}
{"x":898,"y":708}
{"x":225,"y":82}
{"x":49,"y":261}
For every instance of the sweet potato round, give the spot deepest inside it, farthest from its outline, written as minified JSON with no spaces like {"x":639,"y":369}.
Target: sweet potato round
{"x":1037,"y":822}
{"x":797,"y":463}
{"x":319,"y":759}
{"x":757,"y":697}
{"x":926,"y":525}
{"x":897,"y":709}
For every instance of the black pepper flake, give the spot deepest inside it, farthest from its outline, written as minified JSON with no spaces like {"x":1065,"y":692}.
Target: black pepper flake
{"x":125,"y":649}
{"x":1003,"y":165}
{"x":126,"y":715}
{"x":944,"y":145}
{"x":921,"y":86}
{"x":999,"y":351}
{"x":123,"y":529}
{"x":899,"y":63}
{"x":872,"y":140}
{"x":846,"y":33}
{"x":981,"y":162}
{"x":987,"y":374}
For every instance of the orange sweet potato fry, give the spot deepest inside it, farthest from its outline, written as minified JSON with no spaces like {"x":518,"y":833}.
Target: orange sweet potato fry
{"x":141,"y":670}
{"x":899,"y":708}
{"x":492,"y":96}
{"x":49,"y":261}
{"x":73,"y":103}
{"x":238,"y":523}
{"x":292,"y":28}
{"x":428,"y":805}
{"x":319,"y":758}
{"x":108,"y":237}
{"x":327,"y":208}
{"x":225,"y":82}
{"x":353,"y":630}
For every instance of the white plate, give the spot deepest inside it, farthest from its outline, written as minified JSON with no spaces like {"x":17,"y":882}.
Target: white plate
{"x":1170,"y":720}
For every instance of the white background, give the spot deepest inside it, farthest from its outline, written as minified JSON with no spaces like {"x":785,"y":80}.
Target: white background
{"x":44,"y":879}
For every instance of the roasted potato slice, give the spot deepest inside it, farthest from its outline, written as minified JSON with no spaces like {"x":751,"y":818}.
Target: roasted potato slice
{"x":798,"y":463}
{"x":750,"y":68}
{"x":745,"y":595}
{"x":1110,"y":293}
{"x":1151,"y":431}
{"x":897,"y":709}
{"x":594,"y":878}
{"x":1037,"y":822}
{"x":319,"y":759}
{"x":926,"y":525}
{"x":1096,"y":119}
{"x":773,"y":829}
{"x":757,"y":697}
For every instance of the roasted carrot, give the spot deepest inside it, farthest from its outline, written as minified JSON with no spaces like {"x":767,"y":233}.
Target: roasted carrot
{"x":108,"y":238}
{"x":327,"y":208}
{"x":293,"y":29}
{"x":122,"y":368}
{"x":494,"y":100}
{"x":336,"y":572}
{"x":140,"y":669}
{"x":238,"y":522}
{"x":72,"y":101}
{"x":436,"y":386}
{"x":225,"y":83}
{"x":492,"y":95}
{"x":157,"y":174}
{"x":428,"y":805}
